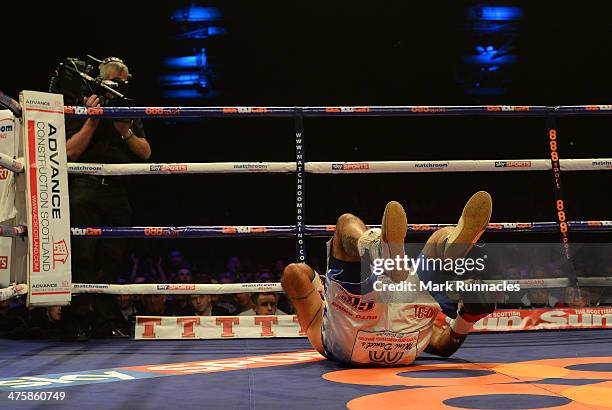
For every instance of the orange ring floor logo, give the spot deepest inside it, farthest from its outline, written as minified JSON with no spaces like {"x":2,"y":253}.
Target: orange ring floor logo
{"x":519,"y":385}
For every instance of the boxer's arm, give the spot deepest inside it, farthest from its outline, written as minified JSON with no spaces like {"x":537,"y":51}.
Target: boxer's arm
{"x":445,"y":342}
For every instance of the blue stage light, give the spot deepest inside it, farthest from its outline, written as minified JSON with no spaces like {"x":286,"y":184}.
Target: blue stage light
{"x":498,"y":59}
{"x":183,"y":79}
{"x":184,"y":93}
{"x":195,"y":61}
{"x":500,"y":13}
{"x":197,"y":14}
{"x":490,"y":55}
{"x":215,"y":31}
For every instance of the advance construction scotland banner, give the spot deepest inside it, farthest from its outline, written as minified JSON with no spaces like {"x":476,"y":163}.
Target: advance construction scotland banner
{"x":49,"y":274}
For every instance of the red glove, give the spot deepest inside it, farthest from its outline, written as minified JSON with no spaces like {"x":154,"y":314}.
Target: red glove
{"x":469,"y":314}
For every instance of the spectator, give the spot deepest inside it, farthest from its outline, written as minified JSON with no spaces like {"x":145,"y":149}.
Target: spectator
{"x":575,"y":298}
{"x":138,"y":268}
{"x":176,"y":261}
{"x":540,"y":297}
{"x":225,"y":278}
{"x":158,"y":274}
{"x":183,"y":275}
{"x":203,"y":306}
{"x":226,"y":301}
{"x":140,"y":279}
{"x":232,"y":270}
{"x":180,"y":305}
{"x":592,"y":296}
{"x":264,"y":276}
{"x":242,"y":301}
{"x":45,"y":323}
{"x":154,"y":305}
{"x":13,"y":322}
{"x":126,"y":305}
{"x":263,"y":303}
{"x":149,"y":267}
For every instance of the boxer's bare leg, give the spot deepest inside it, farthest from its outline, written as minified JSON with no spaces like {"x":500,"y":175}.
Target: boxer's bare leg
{"x":297,"y":282}
{"x":388,"y":242}
{"x":434,"y":247}
{"x":456,"y":242}
{"x":299,"y":279}
{"x":349,"y":229}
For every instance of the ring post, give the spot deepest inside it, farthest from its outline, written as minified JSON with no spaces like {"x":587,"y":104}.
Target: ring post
{"x":300,"y":186}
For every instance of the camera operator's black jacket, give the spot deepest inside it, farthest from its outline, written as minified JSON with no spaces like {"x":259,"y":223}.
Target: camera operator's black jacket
{"x":106,"y":146}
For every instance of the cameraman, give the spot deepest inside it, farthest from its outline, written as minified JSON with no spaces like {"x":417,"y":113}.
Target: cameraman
{"x":100,"y":201}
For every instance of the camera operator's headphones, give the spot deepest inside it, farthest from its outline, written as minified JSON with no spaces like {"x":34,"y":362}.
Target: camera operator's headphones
{"x":108,"y":60}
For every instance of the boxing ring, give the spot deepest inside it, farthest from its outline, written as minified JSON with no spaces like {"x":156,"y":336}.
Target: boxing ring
{"x":525,"y":370}
{"x":543,"y":369}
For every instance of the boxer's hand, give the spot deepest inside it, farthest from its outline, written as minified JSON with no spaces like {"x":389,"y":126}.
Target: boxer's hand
{"x":476,"y":305}
{"x":473,"y":312}
{"x":469,"y":313}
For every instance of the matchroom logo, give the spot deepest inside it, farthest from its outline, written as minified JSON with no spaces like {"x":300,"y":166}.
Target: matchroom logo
{"x":431,"y":165}
{"x":602,"y":164}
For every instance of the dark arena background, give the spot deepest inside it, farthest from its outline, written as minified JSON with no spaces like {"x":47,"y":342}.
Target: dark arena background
{"x":339,"y":54}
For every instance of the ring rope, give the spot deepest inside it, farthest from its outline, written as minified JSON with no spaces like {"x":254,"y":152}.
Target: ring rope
{"x":365,"y":167}
{"x":362,"y":167}
{"x":152,"y":232}
{"x":404,"y":111}
{"x":17,"y":231}
{"x":8,"y":162}
{"x":221,"y":289}
{"x":287,"y":230}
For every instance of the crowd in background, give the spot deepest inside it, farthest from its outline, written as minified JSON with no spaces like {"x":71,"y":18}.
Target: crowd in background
{"x":17,"y":321}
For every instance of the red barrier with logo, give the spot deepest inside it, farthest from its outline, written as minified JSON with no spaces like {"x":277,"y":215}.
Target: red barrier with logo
{"x":538,"y":319}
{"x":236,"y":327}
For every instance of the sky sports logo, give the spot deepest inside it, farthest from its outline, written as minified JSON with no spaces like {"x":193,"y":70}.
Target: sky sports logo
{"x":512,"y":164}
{"x":350,"y":167}
{"x":168,"y":168}
{"x":177,"y":286}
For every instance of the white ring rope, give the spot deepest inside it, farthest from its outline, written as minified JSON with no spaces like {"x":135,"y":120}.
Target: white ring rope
{"x":176,"y":288}
{"x":13,"y":291}
{"x":220,"y":289}
{"x":15,"y":165}
{"x":365,"y":167}
{"x":584,"y":164}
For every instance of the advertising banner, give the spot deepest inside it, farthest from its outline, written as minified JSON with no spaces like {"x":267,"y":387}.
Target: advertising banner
{"x":47,"y":203}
